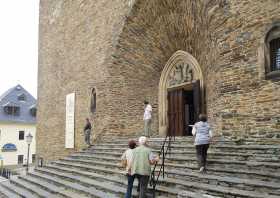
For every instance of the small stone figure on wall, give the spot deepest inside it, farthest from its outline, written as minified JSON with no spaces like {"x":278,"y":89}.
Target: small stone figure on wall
{"x":87,"y":132}
{"x":93,"y":101}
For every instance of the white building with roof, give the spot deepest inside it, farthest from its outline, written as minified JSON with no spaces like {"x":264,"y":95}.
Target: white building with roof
{"x":17,"y":120}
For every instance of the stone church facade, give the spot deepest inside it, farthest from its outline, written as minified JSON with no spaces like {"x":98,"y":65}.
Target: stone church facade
{"x":220,"y":57}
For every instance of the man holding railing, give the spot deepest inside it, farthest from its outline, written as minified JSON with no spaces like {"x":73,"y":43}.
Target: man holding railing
{"x":140,"y":165}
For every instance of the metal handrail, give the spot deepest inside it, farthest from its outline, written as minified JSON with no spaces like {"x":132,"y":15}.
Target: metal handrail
{"x":6,"y":173}
{"x":163,"y":152}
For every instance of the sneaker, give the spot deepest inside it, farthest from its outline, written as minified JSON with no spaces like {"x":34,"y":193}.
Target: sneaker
{"x":201,"y":170}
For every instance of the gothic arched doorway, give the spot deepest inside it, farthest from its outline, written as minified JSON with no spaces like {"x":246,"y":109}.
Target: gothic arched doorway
{"x":181,"y":94}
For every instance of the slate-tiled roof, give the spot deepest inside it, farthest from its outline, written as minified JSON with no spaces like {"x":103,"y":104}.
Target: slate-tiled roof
{"x":10,"y":97}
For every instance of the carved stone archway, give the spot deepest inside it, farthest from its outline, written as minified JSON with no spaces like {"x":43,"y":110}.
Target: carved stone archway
{"x":181,"y":69}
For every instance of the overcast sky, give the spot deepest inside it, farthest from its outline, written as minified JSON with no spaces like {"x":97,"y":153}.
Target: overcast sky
{"x":19,"y":44}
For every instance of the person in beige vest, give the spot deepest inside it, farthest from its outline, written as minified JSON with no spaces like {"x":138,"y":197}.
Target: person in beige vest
{"x":126,"y":159}
{"x":140,"y":166}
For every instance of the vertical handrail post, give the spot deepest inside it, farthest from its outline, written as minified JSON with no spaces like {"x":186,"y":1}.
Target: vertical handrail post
{"x":166,"y":147}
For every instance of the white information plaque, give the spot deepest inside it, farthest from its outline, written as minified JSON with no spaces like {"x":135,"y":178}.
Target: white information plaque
{"x":70,"y":121}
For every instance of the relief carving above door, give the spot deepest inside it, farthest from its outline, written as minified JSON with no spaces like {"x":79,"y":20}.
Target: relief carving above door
{"x":181,"y":73}
{"x":181,"y":69}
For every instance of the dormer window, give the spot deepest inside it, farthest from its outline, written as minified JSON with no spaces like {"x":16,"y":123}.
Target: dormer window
{"x":12,"y":110}
{"x":33,"y":111}
{"x":21,"y":97}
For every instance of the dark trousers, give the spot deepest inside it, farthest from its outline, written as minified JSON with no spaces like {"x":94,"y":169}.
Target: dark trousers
{"x":130,"y":180}
{"x":201,"y":153}
{"x":87,"y":136}
{"x":143,"y":184}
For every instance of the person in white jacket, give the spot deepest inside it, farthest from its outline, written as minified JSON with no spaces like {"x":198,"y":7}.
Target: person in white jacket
{"x":147,"y":119}
{"x":203,"y":134}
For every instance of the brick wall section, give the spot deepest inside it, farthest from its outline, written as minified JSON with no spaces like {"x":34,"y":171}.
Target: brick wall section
{"x":240,"y":101}
{"x":76,"y":40}
{"x":121,"y":46}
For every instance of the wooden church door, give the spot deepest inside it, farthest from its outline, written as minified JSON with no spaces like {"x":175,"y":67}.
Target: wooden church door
{"x":176,"y":112}
{"x":184,"y":107}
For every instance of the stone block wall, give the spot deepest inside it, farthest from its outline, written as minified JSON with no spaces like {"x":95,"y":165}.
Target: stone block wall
{"x":120,"y":48}
{"x":75,"y":43}
{"x":241,"y":101}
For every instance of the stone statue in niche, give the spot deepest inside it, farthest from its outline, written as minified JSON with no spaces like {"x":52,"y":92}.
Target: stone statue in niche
{"x":93,"y":101}
{"x":181,"y":73}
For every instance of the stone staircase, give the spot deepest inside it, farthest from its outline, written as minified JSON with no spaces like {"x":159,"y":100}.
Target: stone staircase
{"x":250,"y":169}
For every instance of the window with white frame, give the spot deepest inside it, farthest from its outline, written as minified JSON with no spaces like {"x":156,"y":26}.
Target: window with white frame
{"x":20,"y":159}
{"x":21,"y":135}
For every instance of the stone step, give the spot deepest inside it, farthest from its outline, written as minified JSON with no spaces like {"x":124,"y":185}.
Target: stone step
{"x":191,"y":176}
{"x":170,"y":192}
{"x":70,"y":185}
{"x":189,"y":194}
{"x":216,"y":189}
{"x":252,"y":149}
{"x":5,"y":193}
{"x":161,"y":140}
{"x":192,"y":153}
{"x":242,"y":173}
{"x":120,"y":151}
{"x":239,"y":173}
{"x":248,"y":140}
{"x":18,"y":191}
{"x":85,"y":181}
{"x":172,"y":152}
{"x":223,"y":170}
{"x":238,"y":183}
{"x":32,"y":188}
{"x":125,"y":138}
{"x":117,"y":178}
{"x":224,"y":146}
{"x":211,"y":152}
{"x":51,"y":188}
{"x":186,"y":161}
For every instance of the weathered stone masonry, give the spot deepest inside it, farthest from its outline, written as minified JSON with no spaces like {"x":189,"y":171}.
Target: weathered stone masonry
{"x":120,"y":48}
